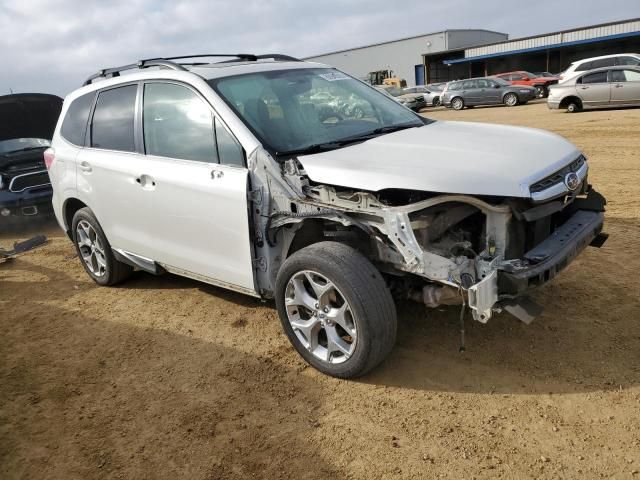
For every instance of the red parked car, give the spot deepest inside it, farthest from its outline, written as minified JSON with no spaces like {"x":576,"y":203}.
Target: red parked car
{"x":540,"y":83}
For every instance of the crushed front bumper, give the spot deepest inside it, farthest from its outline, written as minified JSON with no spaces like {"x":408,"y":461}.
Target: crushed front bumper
{"x":547,"y":259}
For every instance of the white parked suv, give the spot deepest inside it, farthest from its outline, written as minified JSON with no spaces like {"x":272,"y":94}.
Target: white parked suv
{"x":586,"y":64}
{"x":241,"y":175}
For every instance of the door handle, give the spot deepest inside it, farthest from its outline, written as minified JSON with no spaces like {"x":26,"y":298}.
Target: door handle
{"x":215,"y":174}
{"x":619,"y":85}
{"x":85,"y":167}
{"x":146,"y":182}
{"x":584,"y":88}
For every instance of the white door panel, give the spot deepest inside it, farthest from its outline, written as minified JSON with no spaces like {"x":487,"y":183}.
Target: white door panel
{"x":107,"y":184}
{"x":199,"y":220}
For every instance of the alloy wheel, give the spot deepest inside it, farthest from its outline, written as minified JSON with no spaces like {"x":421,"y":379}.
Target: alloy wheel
{"x":91,"y":248}
{"x":320,"y":317}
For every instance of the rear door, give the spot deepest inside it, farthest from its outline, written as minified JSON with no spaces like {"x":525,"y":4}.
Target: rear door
{"x":594,"y":88}
{"x":196,"y":186}
{"x":625,"y":86}
{"x":470,"y":92}
{"x":108,"y":168}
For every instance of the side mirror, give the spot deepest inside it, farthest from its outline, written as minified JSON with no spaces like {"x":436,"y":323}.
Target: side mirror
{"x":496,"y":85}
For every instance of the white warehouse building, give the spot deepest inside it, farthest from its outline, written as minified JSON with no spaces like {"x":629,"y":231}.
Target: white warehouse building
{"x":405,"y":56}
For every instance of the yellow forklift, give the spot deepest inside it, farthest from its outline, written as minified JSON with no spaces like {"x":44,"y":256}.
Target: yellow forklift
{"x":386,"y":77}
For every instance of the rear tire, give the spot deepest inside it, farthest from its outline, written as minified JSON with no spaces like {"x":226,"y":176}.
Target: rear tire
{"x":94,"y":250}
{"x":318,"y":282}
{"x":541,"y":91}
{"x":457,"y":103}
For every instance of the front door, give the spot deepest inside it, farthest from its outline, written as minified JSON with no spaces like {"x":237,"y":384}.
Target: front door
{"x":625,"y":86}
{"x":594,"y":89}
{"x":197,"y":185}
{"x":488,"y":92}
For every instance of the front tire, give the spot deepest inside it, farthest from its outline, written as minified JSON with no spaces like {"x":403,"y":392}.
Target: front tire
{"x":511,"y":100}
{"x":336,"y":309}
{"x":94,"y":250}
{"x":574,"y":107}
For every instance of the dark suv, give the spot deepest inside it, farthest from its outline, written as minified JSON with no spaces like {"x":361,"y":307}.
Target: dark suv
{"x":485,"y":91}
{"x":27,"y":122}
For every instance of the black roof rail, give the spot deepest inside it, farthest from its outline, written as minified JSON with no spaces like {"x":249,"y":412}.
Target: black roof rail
{"x":152,"y":62}
{"x":239,"y":57}
{"x":168,"y":62}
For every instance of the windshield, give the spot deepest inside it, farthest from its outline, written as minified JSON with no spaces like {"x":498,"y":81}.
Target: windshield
{"x":17,"y":144}
{"x":502,"y":82}
{"x":298,"y":109}
{"x":531,"y":75}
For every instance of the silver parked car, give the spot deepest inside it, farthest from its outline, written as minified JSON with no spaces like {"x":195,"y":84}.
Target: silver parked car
{"x":431,"y":93}
{"x":604,"y":87}
{"x":485,"y":91}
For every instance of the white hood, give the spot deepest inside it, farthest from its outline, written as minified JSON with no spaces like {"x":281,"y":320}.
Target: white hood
{"x":446,"y":157}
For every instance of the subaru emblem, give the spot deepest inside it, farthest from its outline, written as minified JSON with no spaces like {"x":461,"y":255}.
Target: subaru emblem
{"x":572,"y":181}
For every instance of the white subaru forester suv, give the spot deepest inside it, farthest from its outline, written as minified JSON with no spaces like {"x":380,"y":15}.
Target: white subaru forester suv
{"x":251,"y":174}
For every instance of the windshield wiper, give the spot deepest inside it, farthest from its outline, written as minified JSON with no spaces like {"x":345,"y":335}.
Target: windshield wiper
{"x":315,"y":148}
{"x":324,"y":147}
{"x":377,"y":132}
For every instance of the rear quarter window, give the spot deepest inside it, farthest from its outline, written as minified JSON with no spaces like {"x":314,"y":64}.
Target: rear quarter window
{"x":74,"y":125}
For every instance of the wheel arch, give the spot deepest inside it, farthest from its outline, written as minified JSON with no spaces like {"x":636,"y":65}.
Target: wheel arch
{"x":564,"y":103}
{"x":315,"y":230}
{"x":69,"y":209}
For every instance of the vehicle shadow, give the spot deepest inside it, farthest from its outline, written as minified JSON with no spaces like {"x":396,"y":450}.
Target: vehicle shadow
{"x":29,"y":226}
{"x":90,"y":397}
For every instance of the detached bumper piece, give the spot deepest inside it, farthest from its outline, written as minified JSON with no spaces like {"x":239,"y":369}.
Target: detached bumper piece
{"x":21,"y":247}
{"x":548,"y":258}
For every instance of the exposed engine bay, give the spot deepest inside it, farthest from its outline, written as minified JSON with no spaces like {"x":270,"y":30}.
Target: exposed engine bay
{"x":438,"y":249}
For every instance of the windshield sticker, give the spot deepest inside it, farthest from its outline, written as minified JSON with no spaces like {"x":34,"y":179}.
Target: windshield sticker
{"x":333,"y":76}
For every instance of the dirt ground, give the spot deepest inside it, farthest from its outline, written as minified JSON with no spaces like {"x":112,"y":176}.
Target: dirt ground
{"x":165,"y":377}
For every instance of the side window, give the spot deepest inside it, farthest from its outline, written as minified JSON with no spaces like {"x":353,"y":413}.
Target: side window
{"x":482,"y":83}
{"x":603,"y":62}
{"x":504,"y":77}
{"x":517,"y":76}
{"x":74,"y":125}
{"x":617,"y":76}
{"x":229,"y":150}
{"x":468,"y":84}
{"x":583,"y":67}
{"x":598,"y":77}
{"x":627,"y":61}
{"x":177,"y":123}
{"x":113,"y":119}
{"x":632,"y":75}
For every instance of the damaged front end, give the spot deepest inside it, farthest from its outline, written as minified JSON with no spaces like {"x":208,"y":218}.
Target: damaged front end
{"x":486,"y":252}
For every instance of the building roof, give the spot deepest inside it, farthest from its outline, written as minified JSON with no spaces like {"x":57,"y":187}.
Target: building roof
{"x":405,"y":38}
{"x":564,"y":38}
